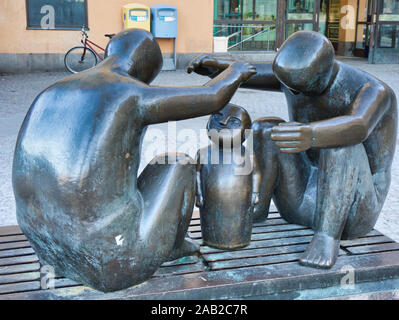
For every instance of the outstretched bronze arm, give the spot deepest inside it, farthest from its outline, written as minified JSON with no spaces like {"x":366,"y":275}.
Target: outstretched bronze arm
{"x":212,"y":66}
{"x":164,"y":103}
{"x":370,"y":105}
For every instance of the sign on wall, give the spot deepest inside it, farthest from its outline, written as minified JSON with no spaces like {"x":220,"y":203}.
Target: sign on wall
{"x":56,"y":14}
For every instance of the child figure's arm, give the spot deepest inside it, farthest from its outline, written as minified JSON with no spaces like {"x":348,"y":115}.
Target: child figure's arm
{"x":199,"y":199}
{"x":256,"y":181}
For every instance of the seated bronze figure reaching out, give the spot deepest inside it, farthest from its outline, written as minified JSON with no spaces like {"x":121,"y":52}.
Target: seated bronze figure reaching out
{"x":329,"y":167}
{"x":79,"y":199}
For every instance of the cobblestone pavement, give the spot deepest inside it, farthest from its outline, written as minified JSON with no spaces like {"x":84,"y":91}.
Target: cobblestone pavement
{"x":18,"y":91}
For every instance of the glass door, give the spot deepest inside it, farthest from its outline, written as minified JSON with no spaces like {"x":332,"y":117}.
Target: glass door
{"x":300,"y":15}
{"x":249,"y":25}
{"x":385,"y":41}
{"x":363,"y":24}
{"x":333,"y":19}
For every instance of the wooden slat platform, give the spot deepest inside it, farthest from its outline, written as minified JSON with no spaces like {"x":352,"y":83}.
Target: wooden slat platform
{"x":267,"y":268}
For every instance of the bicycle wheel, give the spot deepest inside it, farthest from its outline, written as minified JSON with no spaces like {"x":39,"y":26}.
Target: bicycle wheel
{"x":79,"y":59}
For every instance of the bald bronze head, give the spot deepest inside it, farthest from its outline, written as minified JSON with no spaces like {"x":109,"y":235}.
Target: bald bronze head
{"x":228,"y":124}
{"x":139,"y":51}
{"x":305,"y":62}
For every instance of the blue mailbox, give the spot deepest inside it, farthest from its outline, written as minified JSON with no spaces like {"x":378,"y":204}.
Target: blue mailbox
{"x":164,"y":21}
{"x":164,"y":25}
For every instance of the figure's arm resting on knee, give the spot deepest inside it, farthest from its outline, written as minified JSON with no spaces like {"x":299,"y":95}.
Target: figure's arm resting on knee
{"x":371,"y":103}
{"x":212,"y":66}
{"x":163,"y":104}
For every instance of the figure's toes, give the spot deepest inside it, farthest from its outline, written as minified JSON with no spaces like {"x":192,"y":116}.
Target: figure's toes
{"x":327,"y":263}
{"x":308,"y":259}
{"x":315,"y":260}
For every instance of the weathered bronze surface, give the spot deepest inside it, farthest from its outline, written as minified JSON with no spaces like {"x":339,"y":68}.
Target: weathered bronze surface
{"x":79,"y":200}
{"x":329,"y":167}
{"x":227,"y":182}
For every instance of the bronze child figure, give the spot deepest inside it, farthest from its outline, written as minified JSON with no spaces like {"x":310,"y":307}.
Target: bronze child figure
{"x":227,"y":181}
{"x":80,"y":201}
{"x":329,"y":167}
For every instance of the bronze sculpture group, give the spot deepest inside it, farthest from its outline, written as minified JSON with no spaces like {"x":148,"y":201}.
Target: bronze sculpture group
{"x":88,"y":214}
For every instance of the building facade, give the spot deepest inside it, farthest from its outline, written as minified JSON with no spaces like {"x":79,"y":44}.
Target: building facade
{"x":36,"y":34}
{"x":364,"y":28}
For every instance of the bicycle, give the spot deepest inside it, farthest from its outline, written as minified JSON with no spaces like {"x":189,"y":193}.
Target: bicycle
{"x":84,"y":57}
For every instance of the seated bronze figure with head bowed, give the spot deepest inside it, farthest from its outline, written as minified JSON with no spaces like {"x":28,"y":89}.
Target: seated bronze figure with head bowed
{"x":79,"y":199}
{"x":329,"y":167}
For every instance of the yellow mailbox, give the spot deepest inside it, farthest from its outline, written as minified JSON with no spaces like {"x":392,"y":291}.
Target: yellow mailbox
{"x":136,"y":15}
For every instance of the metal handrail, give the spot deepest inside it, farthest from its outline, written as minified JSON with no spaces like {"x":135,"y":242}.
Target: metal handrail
{"x":234,"y":34}
{"x":249,"y":38}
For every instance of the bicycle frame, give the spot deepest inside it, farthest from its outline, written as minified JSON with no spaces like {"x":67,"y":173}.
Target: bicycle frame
{"x":87,"y":43}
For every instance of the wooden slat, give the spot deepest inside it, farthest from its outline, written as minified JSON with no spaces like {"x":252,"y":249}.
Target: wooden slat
{"x":255,"y":226}
{"x":19,"y":268}
{"x":15,"y":252}
{"x":364,"y":241}
{"x":290,"y":254}
{"x":19,"y":287}
{"x":180,"y":269}
{"x":10,"y":230}
{"x":270,"y":222}
{"x":261,"y":232}
{"x":14,"y":245}
{"x":256,"y":261}
{"x":284,"y":234}
{"x":264,"y":244}
{"x":12,"y":238}
{"x":273,"y":215}
{"x":18,"y":260}
{"x":19,"y":277}
{"x":374,"y":233}
{"x":275,"y":228}
{"x":374,"y":248}
{"x":239,"y":254}
{"x":196,"y":214}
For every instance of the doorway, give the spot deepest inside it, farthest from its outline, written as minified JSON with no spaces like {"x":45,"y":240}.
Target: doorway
{"x":384,"y":34}
{"x":263,"y":25}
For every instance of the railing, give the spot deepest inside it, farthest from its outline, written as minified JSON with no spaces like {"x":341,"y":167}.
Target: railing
{"x":247,"y":37}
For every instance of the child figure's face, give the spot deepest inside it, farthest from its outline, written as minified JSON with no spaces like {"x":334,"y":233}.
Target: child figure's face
{"x":228,"y":125}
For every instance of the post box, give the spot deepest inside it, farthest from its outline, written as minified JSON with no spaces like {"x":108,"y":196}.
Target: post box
{"x":136,"y":15}
{"x":164,"y":21}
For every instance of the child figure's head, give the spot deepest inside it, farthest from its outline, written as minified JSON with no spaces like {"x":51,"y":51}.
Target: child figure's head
{"x":228,"y":125}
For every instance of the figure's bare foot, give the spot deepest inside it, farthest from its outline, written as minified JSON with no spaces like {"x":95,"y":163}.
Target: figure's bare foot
{"x":321,"y":253}
{"x":188,"y":248}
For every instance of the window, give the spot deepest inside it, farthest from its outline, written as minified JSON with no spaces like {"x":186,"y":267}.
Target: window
{"x":56,"y":14}
{"x":388,"y":36}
